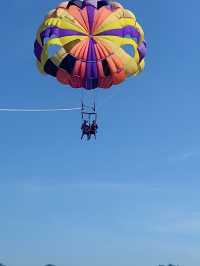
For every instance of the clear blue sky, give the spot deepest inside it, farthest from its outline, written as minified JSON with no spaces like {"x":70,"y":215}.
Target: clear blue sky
{"x":130,"y":198}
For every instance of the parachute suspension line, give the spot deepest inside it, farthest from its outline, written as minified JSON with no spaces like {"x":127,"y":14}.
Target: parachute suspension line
{"x":82,"y":98}
{"x":95,"y":104}
{"x":88,"y":106}
{"x":87,"y":101}
{"x":40,"y":110}
{"x":94,"y":100}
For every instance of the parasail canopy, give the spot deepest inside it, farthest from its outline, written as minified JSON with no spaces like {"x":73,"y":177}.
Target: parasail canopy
{"x":90,"y":40}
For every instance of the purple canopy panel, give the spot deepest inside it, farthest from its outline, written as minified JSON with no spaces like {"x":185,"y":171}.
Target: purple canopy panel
{"x":91,"y":74}
{"x":142,"y":49}
{"x":37,"y":50}
{"x":126,"y":31}
{"x":90,"y":13}
{"x":54,"y":32}
{"x":91,"y":2}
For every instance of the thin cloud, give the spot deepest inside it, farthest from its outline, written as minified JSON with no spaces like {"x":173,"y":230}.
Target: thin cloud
{"x":183,"y":156}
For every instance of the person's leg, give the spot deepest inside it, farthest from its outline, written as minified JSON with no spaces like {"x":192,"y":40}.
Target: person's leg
{"x":90,"y":134}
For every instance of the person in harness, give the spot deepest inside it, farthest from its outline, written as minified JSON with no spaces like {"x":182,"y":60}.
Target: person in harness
{"x":93,"y":129}
{"x":85,"y":130}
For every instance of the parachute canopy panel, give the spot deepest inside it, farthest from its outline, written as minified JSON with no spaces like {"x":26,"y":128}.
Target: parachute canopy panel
{"x":90,"y":37}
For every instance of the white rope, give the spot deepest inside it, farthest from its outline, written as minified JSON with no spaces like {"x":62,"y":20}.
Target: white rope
{"x":40,"y":110}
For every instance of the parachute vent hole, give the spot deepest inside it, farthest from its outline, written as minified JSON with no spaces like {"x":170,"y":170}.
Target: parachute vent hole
{"x":50,"y":68}
{"x":77,"y":3}
{"x":135,"y":39}
{"x":68,"y":63}
{"x":102,"y":3}
{"x":129,"y":49}
{"x":45,"y":39}
{"x":131,"y":37}
{"x":106,"y":68}
{"x":53,"y":49}
{"x":128,"y":36}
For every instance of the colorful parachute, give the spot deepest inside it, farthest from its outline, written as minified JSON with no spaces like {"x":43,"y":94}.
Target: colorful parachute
{"x":92,"y":37}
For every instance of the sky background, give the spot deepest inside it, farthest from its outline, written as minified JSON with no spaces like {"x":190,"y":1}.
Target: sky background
{"x":130,"y":198}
